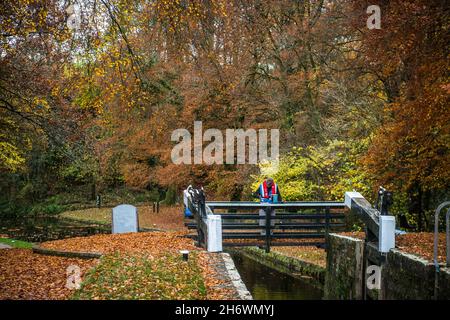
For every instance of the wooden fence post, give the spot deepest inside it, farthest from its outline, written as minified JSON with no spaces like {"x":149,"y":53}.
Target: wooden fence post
{"x":268,"y":212}
{"x":327,"y":224}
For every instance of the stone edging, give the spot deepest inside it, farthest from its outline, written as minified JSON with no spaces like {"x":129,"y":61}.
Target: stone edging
{"x":68,"y":254}
{"x":235,"y":278}
{"x":152,"y":230}
{"x":337,"y":235}
{"x":414,"y":257}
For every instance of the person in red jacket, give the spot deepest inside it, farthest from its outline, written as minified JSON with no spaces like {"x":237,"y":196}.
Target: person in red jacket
{"x":268,"y":192}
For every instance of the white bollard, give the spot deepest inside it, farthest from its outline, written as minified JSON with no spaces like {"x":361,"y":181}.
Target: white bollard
{"x":214,"y":241}
{"x":386,"y":235}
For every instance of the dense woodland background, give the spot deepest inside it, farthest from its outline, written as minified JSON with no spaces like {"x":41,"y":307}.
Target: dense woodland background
{"x":90,"y":110}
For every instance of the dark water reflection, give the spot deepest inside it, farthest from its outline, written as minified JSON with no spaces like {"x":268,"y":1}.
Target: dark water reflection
{"x":268,"y":284}
{"x":39,"y":229}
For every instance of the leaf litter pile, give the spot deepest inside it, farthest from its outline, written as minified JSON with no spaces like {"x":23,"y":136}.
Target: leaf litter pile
{"x":29,"y":276}
{"x":153,"y":243}
{"x":421,"y":244}
{"x":134,"y":266}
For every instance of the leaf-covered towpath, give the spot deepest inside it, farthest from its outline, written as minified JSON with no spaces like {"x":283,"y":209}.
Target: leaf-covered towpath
{"x":144,"y":265}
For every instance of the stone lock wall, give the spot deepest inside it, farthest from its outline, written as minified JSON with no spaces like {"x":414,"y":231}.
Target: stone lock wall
{"x":444,"y":284}
{"x":407,"y":277}
{"x":343,"y":279}
{"x":403,"y":276}
{"x":410,"y":277}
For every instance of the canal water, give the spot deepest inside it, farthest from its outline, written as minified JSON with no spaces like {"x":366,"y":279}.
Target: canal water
{"x":265,"y":283}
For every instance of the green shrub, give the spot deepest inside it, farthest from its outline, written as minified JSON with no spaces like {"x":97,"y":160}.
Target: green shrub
{"x":9,"y":209}
{"x":48,"y":209}
{"x":321,"y":173}
{"x":171,"y":196}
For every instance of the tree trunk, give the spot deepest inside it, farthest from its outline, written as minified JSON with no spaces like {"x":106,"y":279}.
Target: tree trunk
{"x":93,"y":191}
{"x":415,"y":204}
{"x":426,"y":200}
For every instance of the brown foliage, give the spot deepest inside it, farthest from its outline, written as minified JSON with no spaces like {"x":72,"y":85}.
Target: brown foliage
{"x":168,"y":218}
{"x":410,"y":151}
{"x":28,"y":276}
{"x":421,"y":244}
{"x":154,"y":243}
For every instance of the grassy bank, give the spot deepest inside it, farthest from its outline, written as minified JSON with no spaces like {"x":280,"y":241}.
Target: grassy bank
{"x":133,"y":277}
{"x":168,"y":218}
{"x":16,"y":243}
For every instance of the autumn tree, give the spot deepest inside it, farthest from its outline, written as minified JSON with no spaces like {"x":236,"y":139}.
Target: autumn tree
{"x":409,"y":56}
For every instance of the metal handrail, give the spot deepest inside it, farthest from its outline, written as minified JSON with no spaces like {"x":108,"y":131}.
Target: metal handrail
{"x":436,"y":242}
{"x":436,"y":234}
{"x":201,"y":209}
{"x":447,"y":229}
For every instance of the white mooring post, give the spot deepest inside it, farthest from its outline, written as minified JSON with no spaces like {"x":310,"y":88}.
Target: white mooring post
{"x":386,"y":237}
{"x":214,"y":227}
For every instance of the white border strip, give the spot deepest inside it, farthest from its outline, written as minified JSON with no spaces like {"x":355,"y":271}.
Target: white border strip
{"x":235,"y":277}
